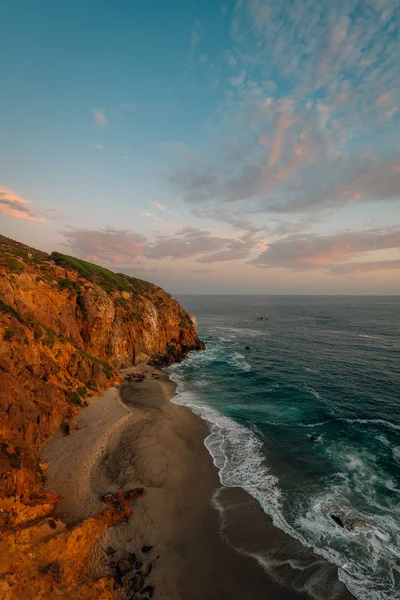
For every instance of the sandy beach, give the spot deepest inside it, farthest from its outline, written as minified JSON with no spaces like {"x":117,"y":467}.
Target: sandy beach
{"x":135,"y":437}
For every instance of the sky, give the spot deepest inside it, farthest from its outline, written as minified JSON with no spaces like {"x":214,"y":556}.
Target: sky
{"x":238,"y":147}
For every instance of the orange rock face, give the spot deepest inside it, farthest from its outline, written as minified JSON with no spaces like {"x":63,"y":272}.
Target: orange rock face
{"x":66,"y":327}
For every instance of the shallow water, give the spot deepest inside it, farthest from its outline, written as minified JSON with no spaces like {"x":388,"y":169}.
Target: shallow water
{"x":327,"y":367}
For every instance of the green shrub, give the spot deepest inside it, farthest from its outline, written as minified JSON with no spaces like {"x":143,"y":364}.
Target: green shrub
{"x":74,"y":398}
{"x":107,"y":368}
{"x":184,"y":325}
{"x":68,"y":284}
{"x":9,"y":333}
{"x":37,"y":331}
{"x":50,"y":338}
{"x":139,"y":286}
{"x":5,"y":308}
{"x":108,"y":280}
{"x":13,"y":264}
{"x":82,"y":391}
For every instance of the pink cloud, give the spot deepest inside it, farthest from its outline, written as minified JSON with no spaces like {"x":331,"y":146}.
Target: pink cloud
{"x":160,"y":206}
{"x":330,"y":252}
{"x":384,"y":98}
{"x":109,"y":245}
{"x":14,"y":206}
{"x":100,"y":117}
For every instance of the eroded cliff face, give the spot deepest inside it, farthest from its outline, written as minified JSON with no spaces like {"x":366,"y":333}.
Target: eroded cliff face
{"x":66,"y":327}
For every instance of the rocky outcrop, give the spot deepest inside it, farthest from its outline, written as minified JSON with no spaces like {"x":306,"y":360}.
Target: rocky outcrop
{"x":66,"y":327}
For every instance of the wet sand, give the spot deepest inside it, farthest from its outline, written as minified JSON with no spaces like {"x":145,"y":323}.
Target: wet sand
{"x":137,"y":438}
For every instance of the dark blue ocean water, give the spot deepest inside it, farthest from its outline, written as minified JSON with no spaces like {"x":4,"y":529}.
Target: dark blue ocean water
{"x":327,"y":367}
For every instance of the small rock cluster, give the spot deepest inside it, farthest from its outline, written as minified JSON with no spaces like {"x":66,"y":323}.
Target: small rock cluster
{"x":130,"y":573}
{"x":138,"y":377}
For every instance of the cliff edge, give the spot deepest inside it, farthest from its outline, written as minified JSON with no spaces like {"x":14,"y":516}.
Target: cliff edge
{"x":66,"y":327}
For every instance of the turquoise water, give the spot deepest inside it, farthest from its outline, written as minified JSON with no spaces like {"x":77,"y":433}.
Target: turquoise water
{"x":307,"y":419}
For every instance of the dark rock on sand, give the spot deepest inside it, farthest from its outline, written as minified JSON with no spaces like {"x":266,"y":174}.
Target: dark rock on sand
{"x":149,"y":589}
{"x":137,"y":586}
{"x":147,"y":549}
{"x":149,"y":569}
{"x":124,"y":566}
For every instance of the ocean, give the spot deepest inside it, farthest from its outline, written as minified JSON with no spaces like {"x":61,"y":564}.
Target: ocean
{"x":303,"y":397}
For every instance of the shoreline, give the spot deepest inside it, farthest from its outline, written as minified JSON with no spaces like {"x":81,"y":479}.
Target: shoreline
{"x":137,"y":437}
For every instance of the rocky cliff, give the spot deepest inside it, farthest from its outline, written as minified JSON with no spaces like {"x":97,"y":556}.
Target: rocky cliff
{"x":66,"y":327}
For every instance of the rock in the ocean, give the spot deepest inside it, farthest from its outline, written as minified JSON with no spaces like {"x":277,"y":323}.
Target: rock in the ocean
{"x":337,"y":520}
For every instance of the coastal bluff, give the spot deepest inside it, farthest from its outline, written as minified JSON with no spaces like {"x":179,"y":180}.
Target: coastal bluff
{"x":66,"y":327}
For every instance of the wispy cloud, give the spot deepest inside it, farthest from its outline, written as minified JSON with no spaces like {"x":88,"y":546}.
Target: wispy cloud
{"x":330,"y":252}
{"x":311,"y":120}
{"x":195,"y":35}
{"x":110,"y":245}
{"x":100,"y":116}
{"x":160,"y":206}
{"x":99,"y":147}
{"x":354,"y":268}
{"x":121,"y":246}
{"x":151,"y":216}
{"x":16,"y":207}
{"x":200,"y":244}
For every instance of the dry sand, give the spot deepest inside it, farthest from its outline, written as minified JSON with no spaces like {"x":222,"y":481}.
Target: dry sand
{"x":137,"y":437}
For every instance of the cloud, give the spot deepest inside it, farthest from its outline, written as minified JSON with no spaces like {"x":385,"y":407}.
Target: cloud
{"x":365,"y":267}
{"x":200,"y":244}
{"x":126,"y":157}
{"x":195,"y":35}
{"x":99,"y":146}
{"x":109,"y":245}
{"x":120,"y":246}
{"x":329,"y":252}
{"x":203,"y":271}
{"x":151,"y":216}
{"x":160,"y":206}
{"x":14,"y":206}
{"x":238,"y":79}
{"x":306,"y":116}
{"x":100,"y":117}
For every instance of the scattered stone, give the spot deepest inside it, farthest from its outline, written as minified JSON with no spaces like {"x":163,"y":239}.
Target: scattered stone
{"x":138,"y":377}
{"x":81,"y":425}
{"x":313,"y":438}
{"x":138,"y":584}
{"x":149,"y":569}
{"x":131,"y":556}
{"x":52,"y":524}
{"x":247,"y":347}
{"x":149,"y":590}
{"x":121,"y":499}
{"x":110,"y":551}
{"x":138,"y":564}
{"x":147,"y":549}
{"x":124,"y":566}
